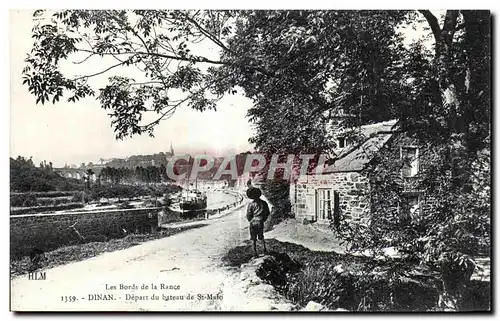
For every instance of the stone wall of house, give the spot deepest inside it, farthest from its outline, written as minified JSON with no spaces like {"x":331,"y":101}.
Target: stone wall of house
{"x":353,"y":192}
{"x":50,"y":231}
{"x":389,"y":161}
{"x":354,"y":187}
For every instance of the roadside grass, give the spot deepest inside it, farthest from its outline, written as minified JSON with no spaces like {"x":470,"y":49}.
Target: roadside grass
{"x":82,"y":251}
{"x":349,"y":282}
{"x":243,"y":254}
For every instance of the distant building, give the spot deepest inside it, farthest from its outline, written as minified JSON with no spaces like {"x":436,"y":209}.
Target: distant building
{"x":142,"y":160}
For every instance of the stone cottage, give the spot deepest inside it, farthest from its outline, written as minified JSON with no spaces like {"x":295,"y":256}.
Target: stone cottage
{"x":342,"y":191}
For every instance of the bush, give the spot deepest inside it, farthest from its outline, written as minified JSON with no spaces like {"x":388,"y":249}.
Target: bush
{"x":30,"y":200}
{"x":80,"y":197}
{"x":276,"y":268}
{"x":278,"y":194}
{"x":69,"y":185}
{"x":22,"y":199}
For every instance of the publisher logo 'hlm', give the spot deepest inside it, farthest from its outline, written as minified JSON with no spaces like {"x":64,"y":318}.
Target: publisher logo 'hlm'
{"x":37,"y":276}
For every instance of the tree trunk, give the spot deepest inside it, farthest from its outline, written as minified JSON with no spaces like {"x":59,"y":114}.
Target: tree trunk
{"x":454,"y":276}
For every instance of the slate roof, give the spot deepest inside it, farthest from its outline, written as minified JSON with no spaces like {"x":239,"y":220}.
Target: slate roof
{"x":376,"y":135}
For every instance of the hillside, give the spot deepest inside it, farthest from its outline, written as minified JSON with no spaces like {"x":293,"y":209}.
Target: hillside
{"x":25,"y":177}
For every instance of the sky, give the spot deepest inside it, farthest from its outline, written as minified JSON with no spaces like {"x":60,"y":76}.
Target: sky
{"x":72,"y":133}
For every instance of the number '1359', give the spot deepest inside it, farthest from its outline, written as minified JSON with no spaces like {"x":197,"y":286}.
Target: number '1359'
{"x":68,"y":298}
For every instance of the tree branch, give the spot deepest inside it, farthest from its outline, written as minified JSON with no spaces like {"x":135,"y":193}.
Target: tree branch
{"x":206,"y":33}
{"x":449,"y":26}
{"x":170,"y":111}
{"x":433,"y":23}
{"x":100,"y":72}
{"x":195,"y":59}
{"x":146,"y":83}
{"x":83,"y":60}
{"x":214,"y":39}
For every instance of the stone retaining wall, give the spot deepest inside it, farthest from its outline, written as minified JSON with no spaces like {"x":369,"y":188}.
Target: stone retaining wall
{"x":50,"y":231}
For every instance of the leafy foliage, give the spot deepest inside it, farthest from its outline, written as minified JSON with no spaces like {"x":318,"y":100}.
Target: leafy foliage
{"x":150,"y":41}
{"x":25,"y":177}
{"x":277,"y":192}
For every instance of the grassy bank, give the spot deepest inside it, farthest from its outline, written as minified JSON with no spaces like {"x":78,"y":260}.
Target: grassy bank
{"x":349,"y":282}
{"x":79,"y":252}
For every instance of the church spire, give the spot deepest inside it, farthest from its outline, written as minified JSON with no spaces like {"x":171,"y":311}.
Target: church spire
{"x":171,"y":149}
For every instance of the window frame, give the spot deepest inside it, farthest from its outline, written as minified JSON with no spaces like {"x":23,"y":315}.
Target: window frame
{"x":415,"y":168}
{"x":322,"y":214}
{"x":409,"y":215}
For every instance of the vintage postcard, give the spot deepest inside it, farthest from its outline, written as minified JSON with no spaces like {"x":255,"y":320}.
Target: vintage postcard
{"x":250,"y":160}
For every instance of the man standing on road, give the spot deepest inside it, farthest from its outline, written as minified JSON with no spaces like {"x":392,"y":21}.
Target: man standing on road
{"x":257,"y":214}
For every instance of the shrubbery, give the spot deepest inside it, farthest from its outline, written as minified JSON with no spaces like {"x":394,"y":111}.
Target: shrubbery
{"x":131,"y":191}
{"x":23,"y":200}
{"x":352,"y":283}
{"x":278,"y":194}
{"x":360,"y":290}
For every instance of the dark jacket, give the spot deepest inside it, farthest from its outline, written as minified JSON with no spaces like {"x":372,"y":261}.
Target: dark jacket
{"x":258,"y":211}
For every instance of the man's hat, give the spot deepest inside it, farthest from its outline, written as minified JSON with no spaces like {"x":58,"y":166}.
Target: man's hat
{"x":253,"y":193}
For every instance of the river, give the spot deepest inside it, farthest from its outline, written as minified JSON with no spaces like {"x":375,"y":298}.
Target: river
{"x":218,"y":199}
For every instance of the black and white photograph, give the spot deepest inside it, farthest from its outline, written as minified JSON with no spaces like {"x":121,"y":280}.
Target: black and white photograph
{"x":168,"y":160}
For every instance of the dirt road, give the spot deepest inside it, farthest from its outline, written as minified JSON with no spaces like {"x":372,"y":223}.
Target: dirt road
{"x":178,"y":273}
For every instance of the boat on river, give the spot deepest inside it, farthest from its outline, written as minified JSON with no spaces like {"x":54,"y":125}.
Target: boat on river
{"x":192,"y":200}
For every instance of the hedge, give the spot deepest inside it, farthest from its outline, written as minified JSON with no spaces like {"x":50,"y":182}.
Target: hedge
{"x":41,"y":199}
{"x":41,"y":209}
{"x":47,"y":201}
{"x":24,"y":200}
{"x":46,"y":194}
